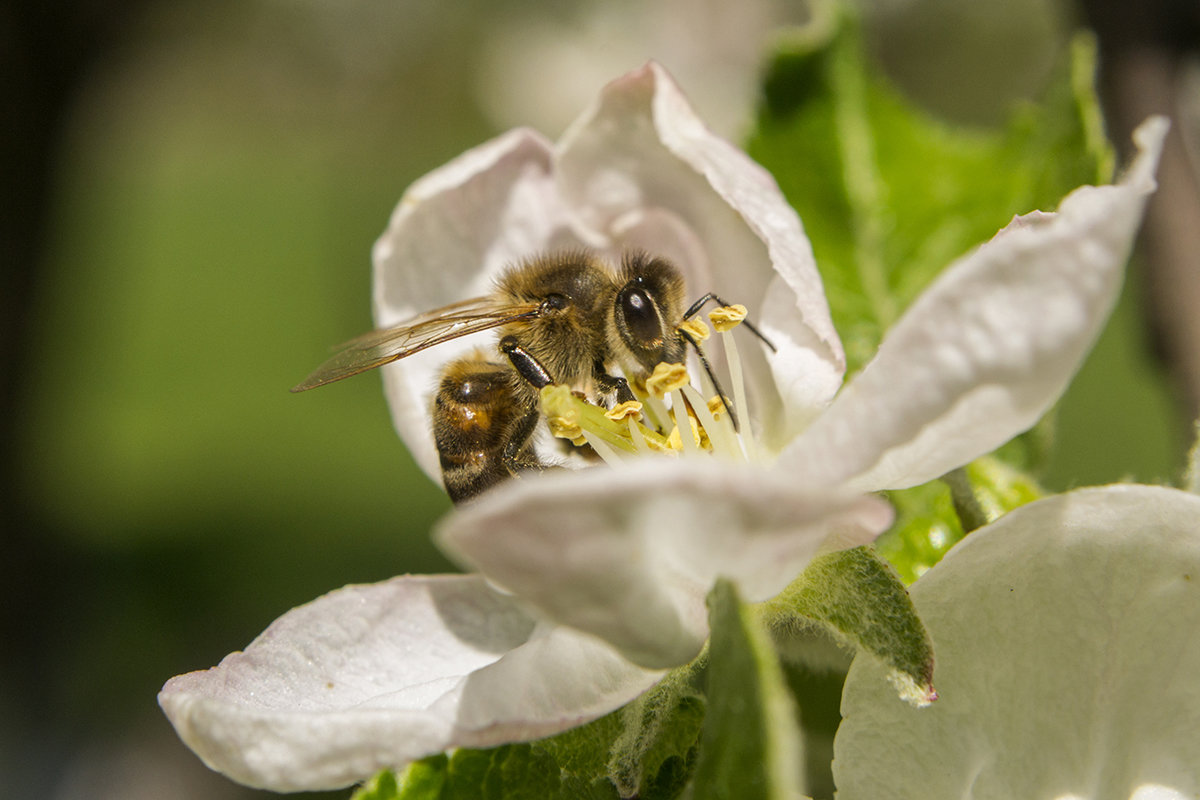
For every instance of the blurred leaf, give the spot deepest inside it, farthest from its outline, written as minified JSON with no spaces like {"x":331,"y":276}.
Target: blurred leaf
{"x":890,"y":196}
{"x":383,"y":787}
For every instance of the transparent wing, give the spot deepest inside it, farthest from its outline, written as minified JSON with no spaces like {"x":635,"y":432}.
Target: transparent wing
{"x":432,"y":328}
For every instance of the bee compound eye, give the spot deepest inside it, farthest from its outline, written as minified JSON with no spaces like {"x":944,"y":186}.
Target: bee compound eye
{"x":555,"y":302}
{"x":641,"y":323}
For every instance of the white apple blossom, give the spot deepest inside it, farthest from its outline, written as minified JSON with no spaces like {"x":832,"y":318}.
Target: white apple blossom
{"x":1067,"y":661}
{"x":614,"y":564}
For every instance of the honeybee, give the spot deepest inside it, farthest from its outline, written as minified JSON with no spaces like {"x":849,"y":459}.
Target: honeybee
{"x":563,"y":318}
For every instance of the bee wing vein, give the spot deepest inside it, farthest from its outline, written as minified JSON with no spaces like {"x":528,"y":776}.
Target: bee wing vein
{"x":383,"y":346}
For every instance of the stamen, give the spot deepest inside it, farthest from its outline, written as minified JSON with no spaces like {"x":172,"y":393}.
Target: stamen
{"x":653,"y":411}
{"x":726,"y":318}
{"x":640,"y":444}
{"x":571,"y":417}
{"x":715,"y":422}
{"x":567,"y":428}
{"x":666,"y":444}
{"x":666,"y":379}
{"x":630,"y":409}
{"x":689,"y":442}
{"x":698,"y":330}
{"x":608,"y":454}
{"x":615,"y":432}
{"x":739,"y":392}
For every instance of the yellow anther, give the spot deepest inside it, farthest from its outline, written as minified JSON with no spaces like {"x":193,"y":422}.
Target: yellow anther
{"x":666,"y":379}
{"x":557,"y":401}
{"x":659,"y":444}
{"x":566,"y":428}
{"x":727,"y":318}
{"x":698,"y":330}
{"x":716,"y":407}
{"x":630,"y":409}
{"x":699,"y":435}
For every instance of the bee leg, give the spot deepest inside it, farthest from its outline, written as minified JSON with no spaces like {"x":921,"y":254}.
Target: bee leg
{"x":712,"y":376}
{"x":518,"y":455}
{"x":611,"y":385}
{"x":525,"y":364}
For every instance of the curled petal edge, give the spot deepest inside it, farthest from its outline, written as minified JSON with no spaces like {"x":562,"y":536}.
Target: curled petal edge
{"x":629,"y":555}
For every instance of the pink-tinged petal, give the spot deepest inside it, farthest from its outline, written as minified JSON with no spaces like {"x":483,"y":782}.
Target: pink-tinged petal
{"x":452,"y":233}
{"x":989,"y":347}
{"x":375,"y":676}
{"x":1067,"y":661}
{"x":629,"y":555}
{"x":641,"y":150}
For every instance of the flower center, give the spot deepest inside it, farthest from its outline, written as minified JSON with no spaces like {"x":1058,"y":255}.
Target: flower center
{"x":670,"y":415}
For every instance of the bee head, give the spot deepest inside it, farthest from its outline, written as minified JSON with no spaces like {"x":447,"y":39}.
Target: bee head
{"x":647,"y":308}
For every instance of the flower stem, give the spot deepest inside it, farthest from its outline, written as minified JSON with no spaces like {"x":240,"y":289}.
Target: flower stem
{"x":966,"y":504}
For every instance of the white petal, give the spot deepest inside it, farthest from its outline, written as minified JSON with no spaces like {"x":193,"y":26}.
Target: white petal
{"x":449,"y":237}
{"x":641,"y":150}
{"x":989,"y":347}
{"x":376,"y":676}
{"x":557,"y":680}
{"x":629,"y":555}
{"x":1068,"y":657}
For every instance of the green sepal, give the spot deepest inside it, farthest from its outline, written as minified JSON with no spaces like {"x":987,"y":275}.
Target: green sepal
{"x":508,"y":772}
{"x":751,"y":746}
{"x":646,"y":749}
{"x":859,"y":598}
{"x":655,"y":752}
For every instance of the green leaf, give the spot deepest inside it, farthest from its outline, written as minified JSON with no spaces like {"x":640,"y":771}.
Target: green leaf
{"x":925,"y":529}
{"x":501,"y":773}
{"x":750,"y":746}
{"x":655,"y":753}
{"x":927,"y":525}
{"x":383,"y":787}
{"x":889,"y":195}
{"x":647,"y":750}
{"x":861,"y":600}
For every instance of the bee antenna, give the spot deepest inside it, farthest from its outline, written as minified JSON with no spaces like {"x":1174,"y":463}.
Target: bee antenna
{"x":695,"y":309}
{"x":708,"y":370}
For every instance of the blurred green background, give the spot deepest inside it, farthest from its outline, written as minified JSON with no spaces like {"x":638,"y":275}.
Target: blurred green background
{"x":217,"y":178}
